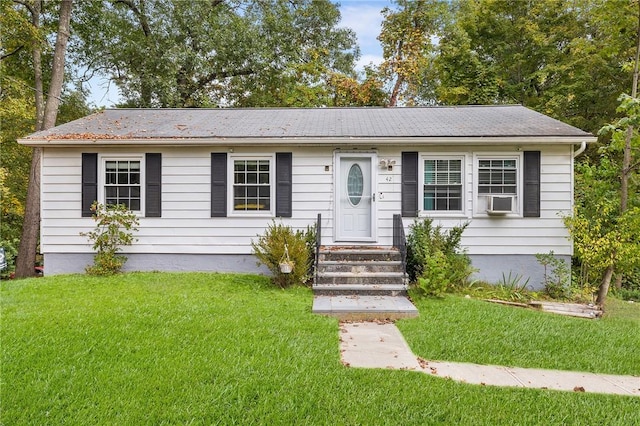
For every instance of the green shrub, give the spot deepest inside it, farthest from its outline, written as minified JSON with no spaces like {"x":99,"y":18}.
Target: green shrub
{"x":10,"y":252}
{"x":434,"y":280}
{"x":435,"y":260}
{"x":270,"y":251}
{"x":114,"y":229}
{"x":557,"y":275}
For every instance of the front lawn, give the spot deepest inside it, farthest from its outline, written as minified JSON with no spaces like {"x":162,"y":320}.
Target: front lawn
{"x":206,"y":349}
{"x":469,"y":330}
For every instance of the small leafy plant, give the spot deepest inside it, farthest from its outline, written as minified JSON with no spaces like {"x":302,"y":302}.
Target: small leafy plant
{"x":269,"y":248}
{"x":114,"y":229}
{"x":435,"y":260}
{"x":556,"y":275}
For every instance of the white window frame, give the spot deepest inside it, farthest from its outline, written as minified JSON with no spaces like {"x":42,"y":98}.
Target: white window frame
{"x":272,"y":185}
{"x":463,"y":185}
{"x":480,"y":200}
{"x":102,"y":170}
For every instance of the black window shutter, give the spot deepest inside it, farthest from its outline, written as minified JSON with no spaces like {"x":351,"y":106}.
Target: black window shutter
{"x":153,"y":183}
{"x":409,"y":184}
{"x":218,"y":184}
{"x":531,"y":190}
{"x":284,"y":172}
{"x":89,"y":182}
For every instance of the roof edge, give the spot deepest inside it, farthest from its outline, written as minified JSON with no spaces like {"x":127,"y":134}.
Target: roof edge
{"x":311,"y":141}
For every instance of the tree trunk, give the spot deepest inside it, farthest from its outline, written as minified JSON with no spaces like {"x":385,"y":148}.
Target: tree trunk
{"x":57,"y":73}
{"x":37,"y":67}
{"x":31,"y":226}
{"x":28,"y":247}
{"x":393,"y":100}
{"x":604,"y":286}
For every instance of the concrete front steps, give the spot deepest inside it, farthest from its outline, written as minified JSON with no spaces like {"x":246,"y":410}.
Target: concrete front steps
{"x":361,"y":283}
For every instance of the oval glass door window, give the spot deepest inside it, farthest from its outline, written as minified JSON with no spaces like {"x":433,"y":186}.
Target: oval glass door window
{"x":355,"y":184}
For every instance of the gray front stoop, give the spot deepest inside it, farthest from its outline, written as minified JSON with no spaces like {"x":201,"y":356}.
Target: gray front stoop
{"x":364,"y":308}
{"x":361,"y":283}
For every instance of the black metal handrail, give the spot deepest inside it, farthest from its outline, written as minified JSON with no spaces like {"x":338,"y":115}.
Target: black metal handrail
{"x":400,"y":240}
{"x":318,"y":241}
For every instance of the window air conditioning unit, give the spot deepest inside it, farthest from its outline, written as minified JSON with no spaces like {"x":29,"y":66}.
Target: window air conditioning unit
{"x":499,"y":205}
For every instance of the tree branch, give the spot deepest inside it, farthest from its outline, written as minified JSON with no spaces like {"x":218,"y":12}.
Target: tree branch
{"x":27,"y":5}
{"x":142,"y":19}
{"x":201,"y":82}
{"x":19,"y":48}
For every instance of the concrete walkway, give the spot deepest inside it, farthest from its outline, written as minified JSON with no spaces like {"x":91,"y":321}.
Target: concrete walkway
{"x":381,"y":345}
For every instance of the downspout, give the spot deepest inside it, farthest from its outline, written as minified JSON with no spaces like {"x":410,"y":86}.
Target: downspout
{"x":580,"y":150}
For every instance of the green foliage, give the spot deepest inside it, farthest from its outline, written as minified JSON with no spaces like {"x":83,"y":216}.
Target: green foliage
{"x":216,"y":53}
{"x":434,"y":281}
{"x":10,"y":252}
{"x":557,"y":275}
{"x":270,"y":247}
{"x":407,"y":46}
{"x":435,"y":260}
{"x":511,"y":288}
{"x":114,"y":229}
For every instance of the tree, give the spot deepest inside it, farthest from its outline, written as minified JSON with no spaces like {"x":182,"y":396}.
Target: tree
{"x":560,"y":57}
{"x":407,"y":46}
{"x":463,"y":79}
{"x":216,"y":53}
{"x":622,"y":227}
{"x":46,"y":113}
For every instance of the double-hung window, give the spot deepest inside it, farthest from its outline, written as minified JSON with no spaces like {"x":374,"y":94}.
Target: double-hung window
{"x":497,"y":176}
{"x":252,"y":184}
{"x":442,"y":184}
{"x":122,"y":182}
{"x":498,"y":184}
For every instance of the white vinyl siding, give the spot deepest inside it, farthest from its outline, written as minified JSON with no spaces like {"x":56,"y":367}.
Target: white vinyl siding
{"x":186,"y":226}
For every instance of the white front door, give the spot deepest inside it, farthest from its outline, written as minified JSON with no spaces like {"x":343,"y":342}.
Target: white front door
{"x":355,"y":197}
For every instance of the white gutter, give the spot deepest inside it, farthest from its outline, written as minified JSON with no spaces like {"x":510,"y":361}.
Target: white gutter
{"x":309,"y":141}
{"x":583,"y":146}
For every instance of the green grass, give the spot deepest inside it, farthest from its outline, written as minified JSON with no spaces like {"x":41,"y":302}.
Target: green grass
{"x":469,"y":330}
{"x":148,"y":348}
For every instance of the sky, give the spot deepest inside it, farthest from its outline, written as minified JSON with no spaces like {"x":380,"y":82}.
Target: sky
{"x":362,"y":16}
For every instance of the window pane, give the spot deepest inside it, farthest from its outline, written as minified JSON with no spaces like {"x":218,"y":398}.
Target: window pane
{"x":134,"y":205}
{"x":123,"y":178}
{"x":251,"y":190}
{"x":111,"y":191}
{"x":509,"y":177}
{"x":442,"y":185}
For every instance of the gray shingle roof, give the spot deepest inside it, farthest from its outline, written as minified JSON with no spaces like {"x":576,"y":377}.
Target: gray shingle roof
{"x":441,"y":122}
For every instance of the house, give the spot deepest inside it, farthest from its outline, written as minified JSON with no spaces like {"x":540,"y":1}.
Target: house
{"x":205,"y":182}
